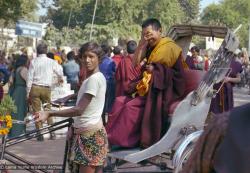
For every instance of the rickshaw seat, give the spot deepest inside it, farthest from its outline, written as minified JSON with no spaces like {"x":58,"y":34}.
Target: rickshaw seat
{"x":192,"y":80}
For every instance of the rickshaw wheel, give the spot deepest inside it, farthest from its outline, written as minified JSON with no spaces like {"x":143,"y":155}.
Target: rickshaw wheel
{"x":184,"y":150}
{"x":186,"y":154}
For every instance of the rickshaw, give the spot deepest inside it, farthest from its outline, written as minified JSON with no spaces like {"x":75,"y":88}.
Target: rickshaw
{"x":188,"y":115}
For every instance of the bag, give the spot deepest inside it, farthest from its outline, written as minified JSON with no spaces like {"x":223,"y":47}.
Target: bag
{"x":30,"y":126}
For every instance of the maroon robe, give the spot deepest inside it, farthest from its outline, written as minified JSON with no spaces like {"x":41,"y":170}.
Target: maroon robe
{"x":140,"y":120}
{"x":224,"y":99}
{"x":117,"y":59}
{"x":125,"y":74}
{"x":168,"y":85}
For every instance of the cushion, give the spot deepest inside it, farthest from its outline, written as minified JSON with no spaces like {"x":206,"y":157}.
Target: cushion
{"x":192,"y":80}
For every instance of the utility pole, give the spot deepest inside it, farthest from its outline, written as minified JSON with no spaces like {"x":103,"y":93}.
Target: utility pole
{"x":249,"y":39}
{"x":70,"y":14}
{"x":93,"y":19}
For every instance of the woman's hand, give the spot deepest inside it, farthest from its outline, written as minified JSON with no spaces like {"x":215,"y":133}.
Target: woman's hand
{"x":227,"y":79}
{"x":42,"y":116}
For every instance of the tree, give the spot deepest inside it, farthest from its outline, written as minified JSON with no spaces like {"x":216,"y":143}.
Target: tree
{"x":168,"y":12}
{"x":28,"y":10}
{"x":230,"y":13}
{"x":9,"y":10}
{"x":116,"y":18}
{"x":191,"y":9}
{"x":12,"y":10}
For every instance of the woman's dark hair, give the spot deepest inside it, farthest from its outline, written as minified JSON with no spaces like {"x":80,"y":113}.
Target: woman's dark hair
{"x":71,"y":55}
{"x":42,"y":48}
{"x":91,"y":47}
{"x":50,"y":55}
{"x":131,"y":46}
{"x":21,"y":61}
{"x":155,"y":23}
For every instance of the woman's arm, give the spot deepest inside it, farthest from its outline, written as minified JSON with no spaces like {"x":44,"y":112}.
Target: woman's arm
{"x":236,"y":79}
{"x":72,"y":112}
{"x":24,"y":73}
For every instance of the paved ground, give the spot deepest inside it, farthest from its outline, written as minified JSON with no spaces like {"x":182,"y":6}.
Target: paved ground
{"x":52,"y":151}
{"x":241,"y":96}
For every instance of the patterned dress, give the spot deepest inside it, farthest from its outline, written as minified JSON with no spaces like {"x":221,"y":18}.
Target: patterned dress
{"x":88,"y":148}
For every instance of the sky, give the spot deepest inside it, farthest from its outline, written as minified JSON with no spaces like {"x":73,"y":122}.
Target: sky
{"x":203,"y":4}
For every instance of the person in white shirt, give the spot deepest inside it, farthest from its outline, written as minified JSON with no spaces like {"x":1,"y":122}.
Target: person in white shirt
{"x":89,"y":144}
{"x":40,"y":78}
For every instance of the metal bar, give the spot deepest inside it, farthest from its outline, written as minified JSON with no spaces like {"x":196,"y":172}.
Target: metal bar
{"x":3,"y":146}
{"x":36,"y":134}
{"x":12,"y":161}
{"x":22,"y":138}
{"x":65,"y":156}
{"x":33,"y":132}
{"x":66,"y":150}
{"x":22,"y":160}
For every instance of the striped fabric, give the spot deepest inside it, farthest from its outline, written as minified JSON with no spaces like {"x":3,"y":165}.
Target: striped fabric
{"x":41,"y":71}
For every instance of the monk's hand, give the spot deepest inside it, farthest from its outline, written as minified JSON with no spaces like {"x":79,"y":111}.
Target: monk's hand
{"x":42,"y":116}
{"x":143,"y":62}
{"x":143,"y":43}
{"x":150,"y":68}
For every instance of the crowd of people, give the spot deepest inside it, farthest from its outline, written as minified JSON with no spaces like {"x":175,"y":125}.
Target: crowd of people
{"x":117,"y":88}
{"x":239,"y":73}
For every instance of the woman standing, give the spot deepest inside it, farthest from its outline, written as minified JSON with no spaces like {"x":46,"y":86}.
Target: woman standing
{"x":19,"y":94}
{"x":224,"y":101}
{"x":89,"y":144}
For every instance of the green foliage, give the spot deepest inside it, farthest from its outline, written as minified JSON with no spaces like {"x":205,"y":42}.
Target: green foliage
{"x":66,"y":36}
{"x":9,"y":10}
{"x":230,"y":13}
{"x":168,"y":12}
{"x":114,"y":18}
{"x":28,"y":9}
{"x":212,"y":15}
{"x":191,"y":9}
{"x":199,"y":41}
{"x":7,"y":106}
{"x":12,"y":10}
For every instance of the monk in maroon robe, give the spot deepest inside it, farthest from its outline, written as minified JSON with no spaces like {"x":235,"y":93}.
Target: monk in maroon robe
{"x":140,"y":120}
{"x":117,"y":56}
{"x":126,"y":72}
